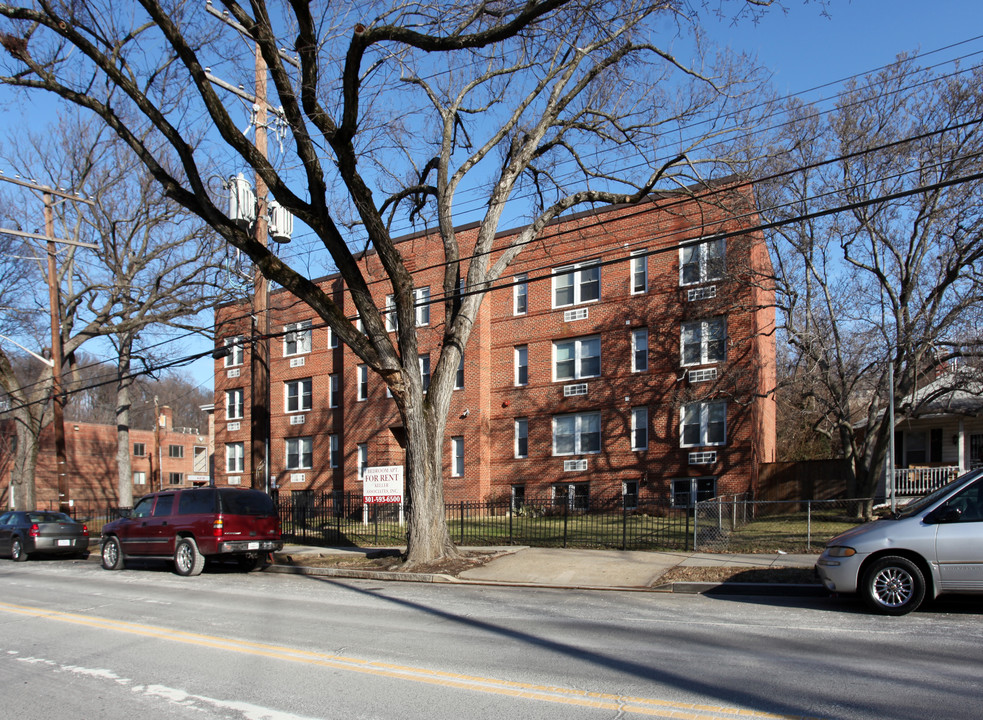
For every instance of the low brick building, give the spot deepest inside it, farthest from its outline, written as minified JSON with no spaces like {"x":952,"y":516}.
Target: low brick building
{"x":630,"y":352}
{"x":165,"y":457}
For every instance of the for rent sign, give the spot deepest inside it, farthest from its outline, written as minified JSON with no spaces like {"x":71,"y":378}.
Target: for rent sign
{"x":383,"y":484}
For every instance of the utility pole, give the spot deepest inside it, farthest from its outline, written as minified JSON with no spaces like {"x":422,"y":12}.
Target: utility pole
{"x":54,"y":305}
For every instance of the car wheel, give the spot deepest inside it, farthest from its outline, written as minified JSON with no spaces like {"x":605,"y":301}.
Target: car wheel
{"x":893,"y":586}
{"x":112,"y":554}
{"x":17,"y":553}
{"x":187,"y":560}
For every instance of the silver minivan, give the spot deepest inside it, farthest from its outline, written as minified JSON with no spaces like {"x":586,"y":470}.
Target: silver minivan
{"x":930,"y":546}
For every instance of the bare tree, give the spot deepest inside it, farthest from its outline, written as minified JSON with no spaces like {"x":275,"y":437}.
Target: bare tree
{"x":891,"y":276}
{"x":147,"y":265}
{"x":397,"y":113}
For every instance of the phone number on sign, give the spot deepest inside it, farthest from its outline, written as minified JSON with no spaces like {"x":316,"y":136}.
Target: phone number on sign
{"x":383,"y":499}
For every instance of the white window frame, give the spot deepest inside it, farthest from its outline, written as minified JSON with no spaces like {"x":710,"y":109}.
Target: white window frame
{"x":640,"y":350}
{"x":639,"y":277}
{"x":302,"y":448}
{"x":521,"y":438}
{"x":362,"y":453}
{"x":297,"y":338}
{"x":392,"y":322}
{"x":579,"y":348}
{"x":333,"y":450}
{"x":143,"y":449}
{"x":334,"y":389}
{"x":520,"y":294}
{"x":577,"y":274}
{"x":581,"y":429}
{"x":362,"y":382}
{"x":300,"y":393}
{"x":236,"y":350}
{"x":640,"y":428}
{"x":702,"y":255}
{"x":235,"y":457}
{"x":703,"y":331}
{"x":139,"y":477}
{"x":234,"y":404}
{"x":423,"y":361}
{"x":705,"y":416}
{"x":520,"y":365}
{"x":175,"y":451}
{"x":683,"y":491}
{"x":457,"y":456}
{"x":421,"y":306}
{"x":332,"y":338}
{"x":459,"y":375}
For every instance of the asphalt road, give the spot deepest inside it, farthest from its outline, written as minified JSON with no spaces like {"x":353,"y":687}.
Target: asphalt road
{"x":79,"y":642}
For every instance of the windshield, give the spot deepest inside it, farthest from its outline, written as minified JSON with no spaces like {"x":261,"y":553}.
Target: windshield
{"x":916,"y":506}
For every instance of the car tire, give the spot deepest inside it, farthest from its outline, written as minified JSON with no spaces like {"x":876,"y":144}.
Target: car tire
{"x":188,"y":561}
{"x":893,"y":585}
{"x":17,"y":553}
{"x":112,"y":554}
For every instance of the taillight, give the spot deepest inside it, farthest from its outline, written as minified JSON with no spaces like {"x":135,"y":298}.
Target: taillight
{"x":35,"y":530}
{"x":85,"y":531}
{"x":217,"y":527}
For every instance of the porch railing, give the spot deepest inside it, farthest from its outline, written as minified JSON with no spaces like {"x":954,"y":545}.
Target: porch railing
{"x":922,"y":481}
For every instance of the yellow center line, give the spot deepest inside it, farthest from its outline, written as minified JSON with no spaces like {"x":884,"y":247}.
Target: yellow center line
{"x":569,"y":696}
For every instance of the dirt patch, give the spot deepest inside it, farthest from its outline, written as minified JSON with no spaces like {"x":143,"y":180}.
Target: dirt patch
{"x":386,"y":561}
{"x":792,"y":575}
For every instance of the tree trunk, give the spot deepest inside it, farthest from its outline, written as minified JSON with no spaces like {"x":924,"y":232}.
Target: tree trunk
{"x":23,"y":495}
{"x":124,"y":383}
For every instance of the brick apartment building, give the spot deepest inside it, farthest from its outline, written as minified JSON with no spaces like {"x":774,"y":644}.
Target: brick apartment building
{"x":612,"y":361}
{"x":167,"y":457}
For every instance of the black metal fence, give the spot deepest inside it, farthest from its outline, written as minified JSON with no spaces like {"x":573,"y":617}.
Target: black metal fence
{"x":335,"y":519}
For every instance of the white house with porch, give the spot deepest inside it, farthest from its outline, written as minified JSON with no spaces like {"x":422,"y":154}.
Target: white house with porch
{"x":940,"y":438}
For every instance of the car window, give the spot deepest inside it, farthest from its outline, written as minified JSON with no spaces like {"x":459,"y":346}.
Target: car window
{"x":196,"y":502}
{"x":164,"y":505}
{"x":6,"y":518}
{"x":143,"y":508}
{"x":916,"y":506}
{"x":246,"y":502}
{"x":969,"y":503}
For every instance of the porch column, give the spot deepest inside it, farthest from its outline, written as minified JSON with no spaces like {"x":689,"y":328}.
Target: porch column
{"x":961,"y":448}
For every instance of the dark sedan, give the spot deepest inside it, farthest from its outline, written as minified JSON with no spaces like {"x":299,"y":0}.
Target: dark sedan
{"x":41,"y":531}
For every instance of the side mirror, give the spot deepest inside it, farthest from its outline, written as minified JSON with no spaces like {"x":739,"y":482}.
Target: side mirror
{"x":943,"y":515}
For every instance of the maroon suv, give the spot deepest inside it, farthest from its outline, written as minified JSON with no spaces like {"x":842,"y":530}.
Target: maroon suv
{"x":191,"y":524}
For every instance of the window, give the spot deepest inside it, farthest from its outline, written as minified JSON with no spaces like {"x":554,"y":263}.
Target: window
{"x":139,"y":477}
{"x":701,"y":262}
{"x":577,"y":434}
{"x":175,"y":451}
{"x":639,"y":428}
{"x":363,"y":459}
{"x":234,"y":345}
{"x":425,"y":371}
{"x":332,"y":339}
{"x":421,"y":303}
{"x":576,"y":284}
{"x":363,"y":382}
{"x":703,"y":341}
{"x":520,"y":295}
{"x":521,"y":362}
{"x":300,"y":453}
{"x":174,"y":478}
{"x":684,"y":490}
{"x":297,"y":338}
{"x":391,"y":321}
{"x":333,"y":388}
{"x":704,"y":423}
{"x":576,"y":496}
{"x":457,"y":456}
{"x":639,"y":272}
{"x":139,"y":449}
{"x":521,"y":437}
{"x":234,"y":406}
{"x":640,"y":350}
{"x":518,"y":497}
{"x":629,"y":494}
{"x":576,"y":359}
{"x":459,"y":377}
{"x":298,"y":395}
{"x":235,"y":457}
{"x":333,"y":451}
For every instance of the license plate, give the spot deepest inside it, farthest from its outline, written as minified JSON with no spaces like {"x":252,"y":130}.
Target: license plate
{"x":64,"y":543}
{"x":252,"y":546}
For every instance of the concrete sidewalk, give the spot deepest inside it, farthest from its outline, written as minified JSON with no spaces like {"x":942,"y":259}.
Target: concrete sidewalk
{"x":577,"y":568}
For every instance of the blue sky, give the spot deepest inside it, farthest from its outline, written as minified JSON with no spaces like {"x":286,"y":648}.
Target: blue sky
{"x":803,"y":47}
